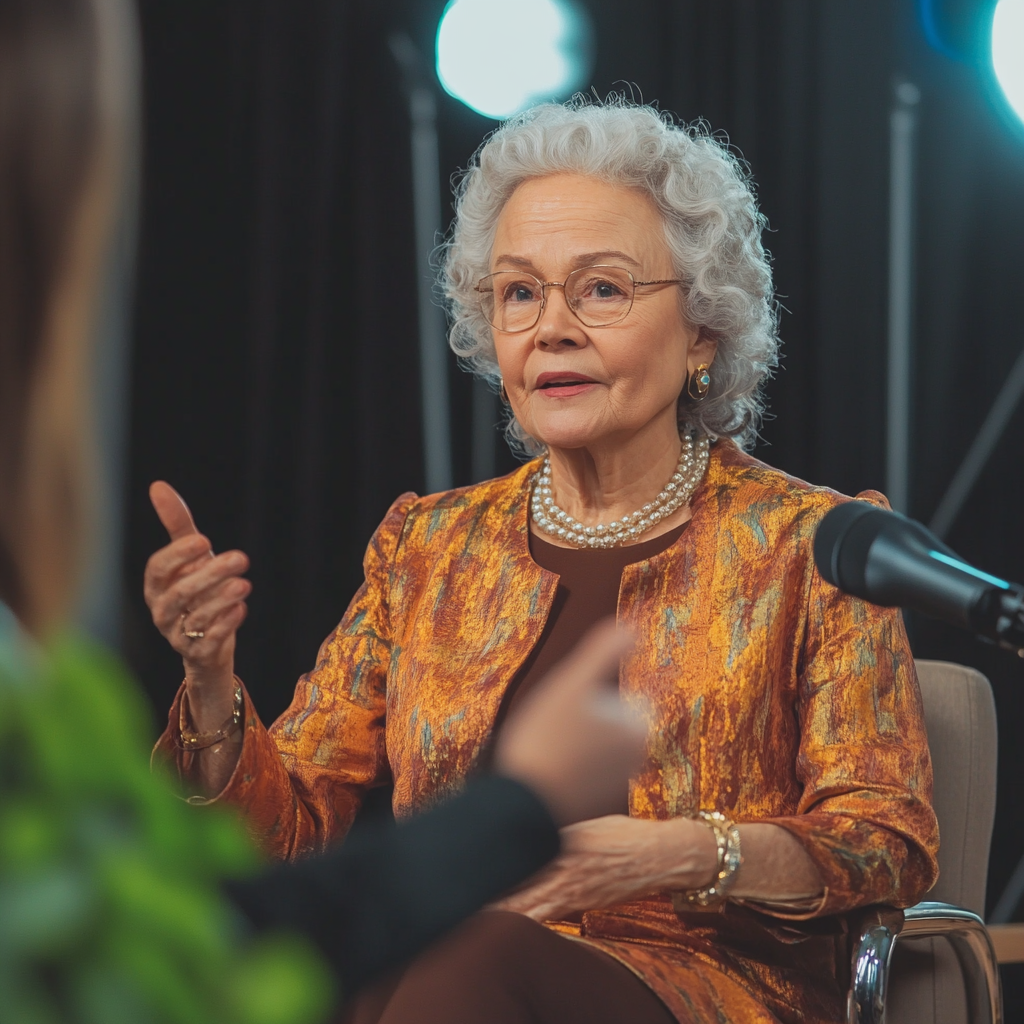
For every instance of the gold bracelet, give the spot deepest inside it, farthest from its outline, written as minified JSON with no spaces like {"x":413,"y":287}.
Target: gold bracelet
{"x":727,"y":840}
{"x":190,"y":740}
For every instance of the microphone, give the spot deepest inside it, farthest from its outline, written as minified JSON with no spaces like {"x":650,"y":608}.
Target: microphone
{"x":888,"y":559}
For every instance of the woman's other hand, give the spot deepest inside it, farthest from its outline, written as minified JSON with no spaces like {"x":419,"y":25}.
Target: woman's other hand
{"x":613,"y":859}
{"x":573,"y":741}
{"x":189,"y":590}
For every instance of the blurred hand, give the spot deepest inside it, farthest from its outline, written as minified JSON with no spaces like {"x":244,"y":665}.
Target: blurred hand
{"x":613,"y":859}
{"x":188,"y":588}
{"x":573,"y":741}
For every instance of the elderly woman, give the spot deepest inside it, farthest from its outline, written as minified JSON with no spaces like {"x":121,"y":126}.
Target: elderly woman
{"x":606,"y":271}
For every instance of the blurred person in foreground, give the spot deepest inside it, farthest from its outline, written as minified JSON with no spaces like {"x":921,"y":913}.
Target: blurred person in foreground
{"x":111,"y":903}
{"x":605,"y":271}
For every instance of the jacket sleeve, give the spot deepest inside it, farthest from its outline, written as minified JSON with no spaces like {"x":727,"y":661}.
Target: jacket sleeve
{"x":865,"y":815}
{"x":300,"y":783}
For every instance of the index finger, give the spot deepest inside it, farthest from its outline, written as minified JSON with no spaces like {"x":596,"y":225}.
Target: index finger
{"x":171,"y":508}
{"x":180,"y":557}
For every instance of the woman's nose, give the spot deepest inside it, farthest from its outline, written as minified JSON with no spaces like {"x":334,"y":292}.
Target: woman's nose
{"x":558,"y":325}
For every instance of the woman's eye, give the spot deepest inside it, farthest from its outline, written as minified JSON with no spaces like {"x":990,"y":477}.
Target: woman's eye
{"x":600,"y":289}
{"x":519,"y":292}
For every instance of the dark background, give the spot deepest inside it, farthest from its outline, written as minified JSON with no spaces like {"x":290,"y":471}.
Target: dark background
{"x":274,"y":376}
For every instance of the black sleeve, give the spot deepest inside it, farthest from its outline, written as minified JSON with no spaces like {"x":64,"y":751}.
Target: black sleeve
{"x":390,"y":889}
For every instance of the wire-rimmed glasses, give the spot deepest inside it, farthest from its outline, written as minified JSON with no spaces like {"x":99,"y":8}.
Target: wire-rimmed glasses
{"x":598,"y":296}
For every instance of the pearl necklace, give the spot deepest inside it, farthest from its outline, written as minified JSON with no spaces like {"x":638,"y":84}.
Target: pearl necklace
{"x":693,"y":461}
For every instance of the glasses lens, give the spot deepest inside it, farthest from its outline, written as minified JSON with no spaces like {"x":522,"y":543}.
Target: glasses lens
{"x":511,"y":301}
{"x":599,"y":295}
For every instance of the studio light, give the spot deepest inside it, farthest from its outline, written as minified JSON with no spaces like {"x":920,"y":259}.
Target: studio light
{"x":1008,"y":51}
{"x":500,"y":58}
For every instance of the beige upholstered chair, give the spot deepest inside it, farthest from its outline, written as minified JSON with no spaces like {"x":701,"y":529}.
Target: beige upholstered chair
{"x":950,"y":979}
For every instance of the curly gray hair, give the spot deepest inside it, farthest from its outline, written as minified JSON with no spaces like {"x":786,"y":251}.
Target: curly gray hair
{"x":712,"y":226}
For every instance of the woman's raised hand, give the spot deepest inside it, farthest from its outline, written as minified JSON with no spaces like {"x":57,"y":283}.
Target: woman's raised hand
{"x":197,"y":600}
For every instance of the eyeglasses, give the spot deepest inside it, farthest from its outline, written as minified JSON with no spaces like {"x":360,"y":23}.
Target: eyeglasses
{"x":598,"y":296}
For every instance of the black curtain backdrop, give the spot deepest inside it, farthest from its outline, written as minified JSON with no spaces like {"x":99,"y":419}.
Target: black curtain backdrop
{"x":275,"y":368}
{"x":275,"y":376}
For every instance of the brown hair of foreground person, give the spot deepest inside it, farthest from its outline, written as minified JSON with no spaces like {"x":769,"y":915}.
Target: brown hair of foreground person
{"x":65,"y":76}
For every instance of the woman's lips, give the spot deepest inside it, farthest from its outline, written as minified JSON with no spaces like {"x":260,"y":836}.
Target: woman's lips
{"x":564,"y":385}
{"x":567,"y":390}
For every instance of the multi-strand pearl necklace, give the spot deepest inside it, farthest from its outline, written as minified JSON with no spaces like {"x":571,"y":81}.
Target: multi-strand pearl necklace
{"x":693,"y":461}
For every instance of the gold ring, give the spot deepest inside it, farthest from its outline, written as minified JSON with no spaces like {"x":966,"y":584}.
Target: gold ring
{"x":192,"y":634}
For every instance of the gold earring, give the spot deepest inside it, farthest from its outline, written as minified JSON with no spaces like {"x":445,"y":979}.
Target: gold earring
{"x":699,"y":383}
{"x":502,"y":393}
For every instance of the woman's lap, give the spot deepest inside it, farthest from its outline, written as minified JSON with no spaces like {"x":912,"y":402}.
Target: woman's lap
{"x":503,"y":968}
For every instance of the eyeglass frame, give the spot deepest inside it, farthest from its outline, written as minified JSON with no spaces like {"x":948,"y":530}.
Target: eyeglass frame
{"x":544,"y":285}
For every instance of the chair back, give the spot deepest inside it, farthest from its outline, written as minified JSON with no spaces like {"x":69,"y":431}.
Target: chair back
{"x":960,"y":715}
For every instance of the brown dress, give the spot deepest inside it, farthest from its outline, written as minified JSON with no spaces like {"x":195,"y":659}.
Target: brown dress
{"x":775,"y":698}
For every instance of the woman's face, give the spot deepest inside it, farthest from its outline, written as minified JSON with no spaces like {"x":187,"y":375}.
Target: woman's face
{"x":570,"y":385}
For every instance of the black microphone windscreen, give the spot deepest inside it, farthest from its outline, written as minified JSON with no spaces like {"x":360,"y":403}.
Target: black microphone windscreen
{"x":828,"y":540}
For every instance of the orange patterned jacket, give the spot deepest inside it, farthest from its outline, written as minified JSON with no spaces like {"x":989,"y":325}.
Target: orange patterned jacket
{"x":776,"y":698}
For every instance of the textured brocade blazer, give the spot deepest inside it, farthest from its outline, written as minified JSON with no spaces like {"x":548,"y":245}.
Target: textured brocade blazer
{"x":774,"y":698}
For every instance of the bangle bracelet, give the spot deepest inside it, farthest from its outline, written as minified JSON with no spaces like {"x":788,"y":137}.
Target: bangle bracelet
{"x":190,"y":740}
{"x":727,"y":839}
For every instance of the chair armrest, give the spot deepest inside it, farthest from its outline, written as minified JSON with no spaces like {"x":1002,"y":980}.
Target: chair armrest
{"x":874,"y":932}
{"x":873,"y":944}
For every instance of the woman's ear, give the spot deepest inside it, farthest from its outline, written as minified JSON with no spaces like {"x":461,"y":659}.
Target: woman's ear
{"x":702,"y":351}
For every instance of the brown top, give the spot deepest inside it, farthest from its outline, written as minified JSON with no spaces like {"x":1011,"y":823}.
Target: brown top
{"x":588,"y":591}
